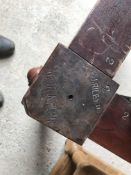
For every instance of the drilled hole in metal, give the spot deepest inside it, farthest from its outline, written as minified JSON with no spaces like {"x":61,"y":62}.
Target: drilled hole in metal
{"x":70,"y":97}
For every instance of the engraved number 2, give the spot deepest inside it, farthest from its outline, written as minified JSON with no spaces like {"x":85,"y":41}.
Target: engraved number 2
{"x":125,"y":116}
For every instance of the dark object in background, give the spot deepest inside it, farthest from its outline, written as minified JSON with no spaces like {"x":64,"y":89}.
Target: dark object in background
{"x":1,"y":100}
{"x":7,"y":47}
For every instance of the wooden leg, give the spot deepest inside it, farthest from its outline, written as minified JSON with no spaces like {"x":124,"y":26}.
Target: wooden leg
{"x":76,"y":161}
{"x":64,"y":166}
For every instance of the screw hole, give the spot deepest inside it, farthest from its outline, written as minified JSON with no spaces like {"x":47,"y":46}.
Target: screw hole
{"x":70,"y":97}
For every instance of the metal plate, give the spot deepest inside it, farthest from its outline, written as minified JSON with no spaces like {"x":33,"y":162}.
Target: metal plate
{"x":114,"y":129}
{"x":105,"y":38}
{"x":69,"y":95}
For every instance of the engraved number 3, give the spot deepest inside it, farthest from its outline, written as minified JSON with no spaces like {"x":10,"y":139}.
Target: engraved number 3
{"x":110,"y":61}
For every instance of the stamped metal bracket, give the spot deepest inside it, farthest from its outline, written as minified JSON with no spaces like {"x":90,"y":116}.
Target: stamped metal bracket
{"x":69,"y":95}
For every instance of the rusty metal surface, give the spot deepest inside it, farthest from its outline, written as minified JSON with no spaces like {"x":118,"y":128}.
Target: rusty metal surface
{"x":105,"y":38}
{"x":69,"y":95}
{"x":114,"y":129}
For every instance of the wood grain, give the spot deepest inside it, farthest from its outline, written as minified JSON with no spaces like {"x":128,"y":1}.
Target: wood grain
{"x":76,"y":161}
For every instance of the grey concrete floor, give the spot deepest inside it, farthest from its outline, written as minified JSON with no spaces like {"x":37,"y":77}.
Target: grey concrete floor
{"x":26,"y":146}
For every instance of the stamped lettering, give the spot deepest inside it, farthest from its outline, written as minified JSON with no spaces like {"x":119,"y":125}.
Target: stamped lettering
{"x":51,"y":99}
{"x":95,"y":92}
